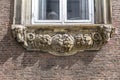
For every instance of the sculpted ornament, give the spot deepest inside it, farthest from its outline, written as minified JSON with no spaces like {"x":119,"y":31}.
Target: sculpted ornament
{"x":83,"y":40}
{"x":44,"y":39}
{"x":19,"y":32}
{"x":107,"y":32}
{"x":96,"y":36}
{"x":39,"y":41}
{"x":88,"y":39}
{"x":62,"y":41}
{"x":30,"y":36}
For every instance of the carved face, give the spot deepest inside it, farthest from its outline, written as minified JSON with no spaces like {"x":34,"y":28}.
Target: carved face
{"x":79,"y":40}
{"x":88,"y":40}
{"x":63,"y":43}
{"x":44,"y":39}
{"x":82,"y":40}
{"x":107,"y":30}
{"x":20,"y":34}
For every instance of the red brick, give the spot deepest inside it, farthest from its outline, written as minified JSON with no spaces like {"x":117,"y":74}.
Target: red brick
{"x":18,"y":64}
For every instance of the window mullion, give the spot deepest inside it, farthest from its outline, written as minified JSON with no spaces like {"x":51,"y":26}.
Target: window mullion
{"x":64,"y":11}
{"x":91,"y":9}
{"x":60,"y":7}
{"x":105,"y":11}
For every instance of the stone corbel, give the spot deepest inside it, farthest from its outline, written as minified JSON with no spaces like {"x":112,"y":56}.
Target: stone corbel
{"x":62,"y":41}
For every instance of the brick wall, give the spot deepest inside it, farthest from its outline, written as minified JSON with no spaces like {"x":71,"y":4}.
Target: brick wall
{"x":18,"y":64}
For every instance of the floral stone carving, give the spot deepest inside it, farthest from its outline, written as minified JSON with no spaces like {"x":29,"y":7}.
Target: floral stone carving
{"x":62,"y":41}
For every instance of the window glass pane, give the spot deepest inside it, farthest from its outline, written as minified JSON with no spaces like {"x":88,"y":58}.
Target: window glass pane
{"x":48,"y":9}
{"x":77,"y":10}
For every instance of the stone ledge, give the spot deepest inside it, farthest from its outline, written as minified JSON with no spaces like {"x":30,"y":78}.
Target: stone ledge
{"x":62,"y":40}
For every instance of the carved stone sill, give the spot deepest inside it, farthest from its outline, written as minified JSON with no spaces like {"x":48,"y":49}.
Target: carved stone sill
{"x":62,"y":40}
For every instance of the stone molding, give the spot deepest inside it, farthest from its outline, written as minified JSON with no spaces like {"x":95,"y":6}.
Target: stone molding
{"x":62,"y":41}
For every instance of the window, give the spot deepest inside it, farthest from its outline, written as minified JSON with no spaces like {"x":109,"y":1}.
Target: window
{"x":62,"y":27}
{"x":63,"y":11}
{"x":39,"y":12}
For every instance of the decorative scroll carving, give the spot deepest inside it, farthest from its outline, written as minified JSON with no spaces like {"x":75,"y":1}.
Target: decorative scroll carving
{"x":62,"y":41}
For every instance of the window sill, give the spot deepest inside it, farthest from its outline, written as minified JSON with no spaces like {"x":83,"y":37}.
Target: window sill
{"x":62,"y":40}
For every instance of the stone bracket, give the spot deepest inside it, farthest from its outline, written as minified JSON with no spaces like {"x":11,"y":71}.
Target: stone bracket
{"x":62,"y":40}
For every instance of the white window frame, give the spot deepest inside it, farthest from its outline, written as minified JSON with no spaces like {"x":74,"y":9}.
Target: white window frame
{"x":62,"y":14}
